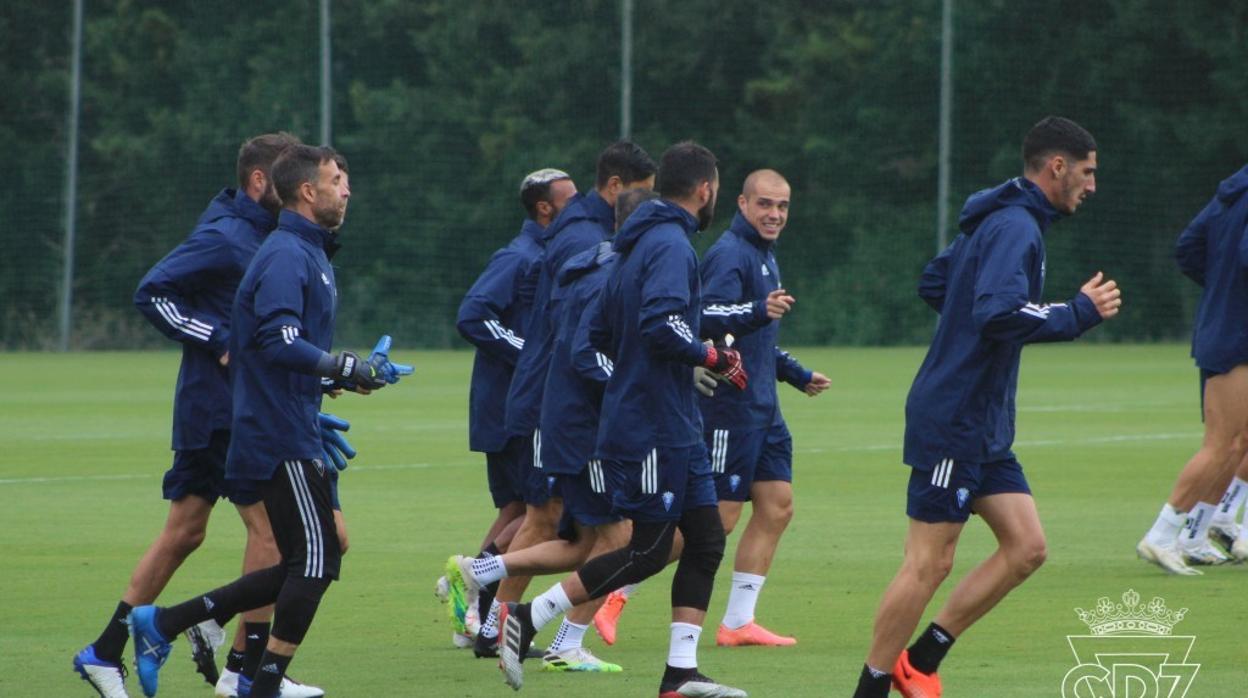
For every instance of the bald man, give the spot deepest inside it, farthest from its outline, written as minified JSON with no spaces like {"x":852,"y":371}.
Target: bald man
{"x":751,"y":450}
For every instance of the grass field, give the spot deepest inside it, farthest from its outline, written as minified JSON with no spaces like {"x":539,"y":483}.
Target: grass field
{"x":1102,"y":432}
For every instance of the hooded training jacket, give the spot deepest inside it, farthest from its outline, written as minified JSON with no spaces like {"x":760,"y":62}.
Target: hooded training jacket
{"x":647,"y":323}
{"x":987,"y":286}
{"x":1213,"y":252}
{"x":490,"y":317}
{"x":187,"y":296}
{"x":283,"y":324}
{"x":583,"y":223}
{"x":738,"y":272}
{"x":572,"y":397}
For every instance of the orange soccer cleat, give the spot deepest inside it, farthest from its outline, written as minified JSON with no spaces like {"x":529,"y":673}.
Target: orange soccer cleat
{"x":913,"y":683}
{"x":751,"y":634}
{"x":608,"y":616}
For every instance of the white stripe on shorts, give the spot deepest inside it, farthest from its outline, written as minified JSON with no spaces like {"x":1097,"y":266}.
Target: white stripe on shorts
{"x":314,"y":565}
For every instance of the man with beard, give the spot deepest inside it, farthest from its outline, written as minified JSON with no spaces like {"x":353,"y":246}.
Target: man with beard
{"x":187,"y":296}
{"x":650,"y":435}
{"x":987,"y":287}
{"x":283,"y":321}
{"x":751,"y":450}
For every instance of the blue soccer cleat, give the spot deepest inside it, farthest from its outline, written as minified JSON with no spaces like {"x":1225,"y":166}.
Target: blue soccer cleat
{"x":151,"y":649}
{"x":107,"y":678}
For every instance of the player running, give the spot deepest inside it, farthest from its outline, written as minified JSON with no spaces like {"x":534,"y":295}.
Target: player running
{"x":987,"y":286}
{"x":751,"y":450}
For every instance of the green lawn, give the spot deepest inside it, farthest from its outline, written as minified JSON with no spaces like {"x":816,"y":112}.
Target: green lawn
{"x":1102,"y":431}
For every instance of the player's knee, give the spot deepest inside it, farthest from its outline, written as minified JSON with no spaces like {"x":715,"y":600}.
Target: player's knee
{"x":1028,"y":557}
{"x":780,"y":513}
{"x":649,"y":547}
{"x":704,"y":540}
{"x":929,"y":569}
{"x":185,"y":540}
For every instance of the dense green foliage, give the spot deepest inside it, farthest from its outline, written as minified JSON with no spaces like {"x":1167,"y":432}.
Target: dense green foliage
{"x":1102,"y":431}
{"x":442,"y":106}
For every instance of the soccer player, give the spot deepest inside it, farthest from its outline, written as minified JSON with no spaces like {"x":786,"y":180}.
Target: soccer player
{"x":1211,"y":251}
{"x":751,"y":450}
{"x":491,"y":317}
{"x":187,"y":297}
{"x":282,"y":321}
{"x":649,"y":438}
{"x":586,"y":221}
{"x":987,"y":286}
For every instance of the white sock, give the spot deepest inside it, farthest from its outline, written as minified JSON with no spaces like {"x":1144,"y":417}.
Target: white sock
{"x":742,"y":599}
{"x":1228,"y":508}
{"x":628,"y":590}
{"x":490,"y":627}
{"x":682,"y":653}
{"x":549,"y":605}
{"x":569,"y":636}
{"x":1196,"y":530}
{"x":487,"y":570}
{"x":1166,"y":528}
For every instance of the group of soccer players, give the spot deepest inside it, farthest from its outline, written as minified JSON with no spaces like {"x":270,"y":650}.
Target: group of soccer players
{"x":250,"y":295}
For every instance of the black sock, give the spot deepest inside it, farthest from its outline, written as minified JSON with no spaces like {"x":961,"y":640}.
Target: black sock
{"x":234,"y":661}
{"x":927,"y":652}
{"x":873,"y":684}
{"x":112,"y":641}
{"x":485,"y":599}
{"x":268,"y":681}
{"x":673,"y":675}
{"x":256,"y":636}
{"x":250,"y":591}
{"x":489,"y":550}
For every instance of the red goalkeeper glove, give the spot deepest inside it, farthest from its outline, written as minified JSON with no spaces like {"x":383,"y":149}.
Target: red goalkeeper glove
{"x":726,"y":364}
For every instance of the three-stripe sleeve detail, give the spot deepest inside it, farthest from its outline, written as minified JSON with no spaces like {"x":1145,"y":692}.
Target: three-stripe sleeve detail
{"x":199,"y":330}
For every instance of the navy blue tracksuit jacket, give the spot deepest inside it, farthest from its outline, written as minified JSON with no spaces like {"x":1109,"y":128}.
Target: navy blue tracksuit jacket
{"x":648,"y":323}
{"x":572,"y":398}
{"x":583,"y":223}
{"x":491,"y":317}
{"x":987,"y":286}
{"x":738,"y":272}
{"x":1213,"y":252}
{"x":283,"y":320}
{"x":187,"y":296}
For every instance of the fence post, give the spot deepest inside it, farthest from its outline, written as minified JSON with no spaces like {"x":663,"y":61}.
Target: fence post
{"x":71,"y":180}
{"x":946,"y":124}
{"x":326,"y":87}
{"x":626,"y":68}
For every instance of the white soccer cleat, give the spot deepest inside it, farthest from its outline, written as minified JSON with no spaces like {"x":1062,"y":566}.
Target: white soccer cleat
{"x":461,"y":641}
{"x":1224,"y":532}
{"x":442,"y":589}
{"x":227,"y":687}
{"x":1166,"y":557}
{"x":577,"y":659}
{"x":107,"y":678}
{"x":1204,"y":555}
{"x":1239,"y":549}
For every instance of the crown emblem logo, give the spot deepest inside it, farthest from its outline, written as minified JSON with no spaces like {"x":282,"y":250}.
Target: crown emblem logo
{"x":1131,"y":617}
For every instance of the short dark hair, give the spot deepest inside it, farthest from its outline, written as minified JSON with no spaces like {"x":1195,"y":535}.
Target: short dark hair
{"x":626,"y":160}
{"x":535,"y":187}
{"x":1055,"y":134}
{"x":260,"y":152}
{"x":628,"y":201}
{"x":296,"y":165}
{"x":342,"y":163}
{"x":683,"y":168}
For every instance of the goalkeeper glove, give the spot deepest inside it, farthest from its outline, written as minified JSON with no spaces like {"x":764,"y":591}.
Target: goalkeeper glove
{"x":726,"y":363}
{"x":391,"y":372}
{"x":337,"y":450}
{"x":704,"y":381}
{"x":349,"y":370}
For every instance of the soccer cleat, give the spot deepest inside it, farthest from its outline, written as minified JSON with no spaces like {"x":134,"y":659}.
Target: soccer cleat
{"x":1166,"y":557}
{"x":578,"y":659}
{"x":442,"y":589}
{"x":751,"y":634}
{"x":1224,"y":533}
{"x":1203,"y":555}
{"x":608,"y":616}
{"x":204,"y":639}
{"x":911,"y":682}
{"x":151,"y":649}
{"x":107,"y":678}
{"x":289,"y":688}
{"x":699,"y":686}
{"x":487,"y":648}
{"x":463,"y":591}
{"x":1239,"y":549}
{"x":516,"y":638}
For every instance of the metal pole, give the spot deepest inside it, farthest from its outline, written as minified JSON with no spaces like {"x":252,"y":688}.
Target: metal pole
{"x":71,"y":179}
{"x":626,"y":68}
{"x":946,"y":122}
{"x":326,"y":115}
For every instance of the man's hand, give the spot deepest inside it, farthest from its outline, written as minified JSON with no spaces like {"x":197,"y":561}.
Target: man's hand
{"x":337,"y":450}
{"x":818,"y":383}
{"x":726,"y":364}
{"x":704,"y":381}
{"x":224,"y":359}
{"x":779,"y":302}
{"x":1105,"y":295}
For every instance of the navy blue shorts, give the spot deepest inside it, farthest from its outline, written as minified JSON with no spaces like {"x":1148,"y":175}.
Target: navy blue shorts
{"x":947,"y":492}
{"x":586,"y":500}
{"x":501,"y":469}
{"x":663,"y":486}
{"x":739,"y":458}
{"x":201,"y":472}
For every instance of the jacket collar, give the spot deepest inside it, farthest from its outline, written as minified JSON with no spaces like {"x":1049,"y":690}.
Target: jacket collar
{"x":304,"y":228}
{"x":746,"y":231}
{"x":254,"y":213}
{"x":533,"y":229}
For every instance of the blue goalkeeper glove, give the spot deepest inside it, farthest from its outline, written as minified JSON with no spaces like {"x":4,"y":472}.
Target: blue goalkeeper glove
{"x":337,"y":450}
{"x":390,"y":372}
